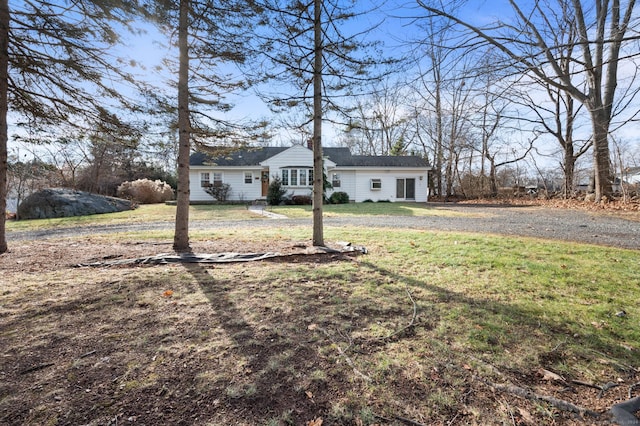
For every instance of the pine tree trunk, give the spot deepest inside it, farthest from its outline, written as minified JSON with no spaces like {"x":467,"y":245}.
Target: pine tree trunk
{"x":318,"y":167}
{"x":4,"y":108}
{"x":181,"y":236}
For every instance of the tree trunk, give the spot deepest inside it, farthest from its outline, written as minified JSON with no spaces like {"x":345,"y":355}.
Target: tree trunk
{"x":318,"y":167}
{"x":601,"y":154}
{"x":439,"y":135}
{"x":4,"y":108}
{"x":569,"y":169}
{"x":567,"y":143}
{"x":493,"y":178}
{"x":181,"y":236}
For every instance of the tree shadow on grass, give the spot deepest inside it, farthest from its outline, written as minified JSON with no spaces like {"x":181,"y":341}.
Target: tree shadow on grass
{"x":278,"y":359}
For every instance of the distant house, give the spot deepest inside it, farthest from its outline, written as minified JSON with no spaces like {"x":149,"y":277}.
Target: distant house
{"x":631,"y":175}
{"x":249,"y":172}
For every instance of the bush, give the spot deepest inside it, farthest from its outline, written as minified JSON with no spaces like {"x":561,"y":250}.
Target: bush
{"x":276,"y":193}
{"x":383,"y":201}
{"x":368,"y":200}
{"x":145,"y":191}
{"x":339,"y":198}
{"x":301,"y":200}
{"x":219,"y":192}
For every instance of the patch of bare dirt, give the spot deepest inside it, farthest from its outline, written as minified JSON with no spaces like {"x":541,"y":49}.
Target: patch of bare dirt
{"x":48,"y":255}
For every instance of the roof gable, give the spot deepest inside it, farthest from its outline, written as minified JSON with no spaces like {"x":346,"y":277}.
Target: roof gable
{"x":300,"y":156}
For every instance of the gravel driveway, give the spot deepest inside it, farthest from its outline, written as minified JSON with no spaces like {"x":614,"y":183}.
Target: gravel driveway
{"x":530,"y":221}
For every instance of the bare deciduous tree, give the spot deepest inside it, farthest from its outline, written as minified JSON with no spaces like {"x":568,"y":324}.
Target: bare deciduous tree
{"x":529,"y":45}
{"x":381,"y":121}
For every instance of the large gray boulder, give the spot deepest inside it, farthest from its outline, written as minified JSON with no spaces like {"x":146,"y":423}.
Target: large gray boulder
{"x":60,"y":202}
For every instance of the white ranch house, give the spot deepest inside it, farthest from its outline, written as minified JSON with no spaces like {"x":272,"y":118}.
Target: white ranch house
{"x":363,"y":177}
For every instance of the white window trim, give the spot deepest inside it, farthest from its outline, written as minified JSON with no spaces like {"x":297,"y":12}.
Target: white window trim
{"x":203,"y":180}
{"x":287,"y":183}
{"x":244,"y":178}
{"x":375,"y":181}
{"x":213,"y":178}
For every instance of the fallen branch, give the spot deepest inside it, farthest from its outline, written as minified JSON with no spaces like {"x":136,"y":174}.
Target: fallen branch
{"x":411,"y":324}
{"x":602,"y":388}
{"x":37,"y":367}
{"x":489,"y":366}
{"x":623,"y":367}
{"x":529,"y":394}
{"x":400,"y":419}
{"x":587,"y":384}
{"x":345,"y":356}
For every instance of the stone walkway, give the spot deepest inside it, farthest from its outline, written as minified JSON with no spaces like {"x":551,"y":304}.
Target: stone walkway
{"x":262,"y":211}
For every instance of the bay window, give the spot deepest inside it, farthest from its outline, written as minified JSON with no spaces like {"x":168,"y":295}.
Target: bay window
{"x":297,"y":177}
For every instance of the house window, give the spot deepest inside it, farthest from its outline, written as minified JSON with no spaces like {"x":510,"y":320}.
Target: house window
{"x":335,"y":180}
{"x":204,"y":180}
{"x":297,"y":177}
{"x":217,"y":179}
{"x":248,"y":177}
{"x":376,"y":184}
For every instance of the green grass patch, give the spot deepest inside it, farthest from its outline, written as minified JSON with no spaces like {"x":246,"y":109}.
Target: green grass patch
{"x":144,"y":213}
{"x":166,"y":213}
{"x":367,"y":209}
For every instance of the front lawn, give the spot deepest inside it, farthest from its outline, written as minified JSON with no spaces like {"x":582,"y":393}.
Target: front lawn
{"x":431,"y":327}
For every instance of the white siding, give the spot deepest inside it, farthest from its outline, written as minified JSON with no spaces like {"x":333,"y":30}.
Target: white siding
{"x":347,"y":182}
{"x":240,"y":191}
{"x":388,"y":178}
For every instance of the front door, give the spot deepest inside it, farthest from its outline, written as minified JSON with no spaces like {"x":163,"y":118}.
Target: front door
{"x":265,"y":182}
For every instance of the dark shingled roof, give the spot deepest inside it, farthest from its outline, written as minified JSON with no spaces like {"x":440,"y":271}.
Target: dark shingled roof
{"x":388,"y":161}
{"x":245,"y":157}
{"x":340,"y":156}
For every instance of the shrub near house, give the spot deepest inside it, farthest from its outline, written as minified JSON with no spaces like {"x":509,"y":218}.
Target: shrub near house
{"x":145,"y":191}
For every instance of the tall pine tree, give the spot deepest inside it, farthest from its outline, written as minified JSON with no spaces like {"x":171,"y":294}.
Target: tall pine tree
{"x":212,"y":40}
{"x":313,"y":63}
